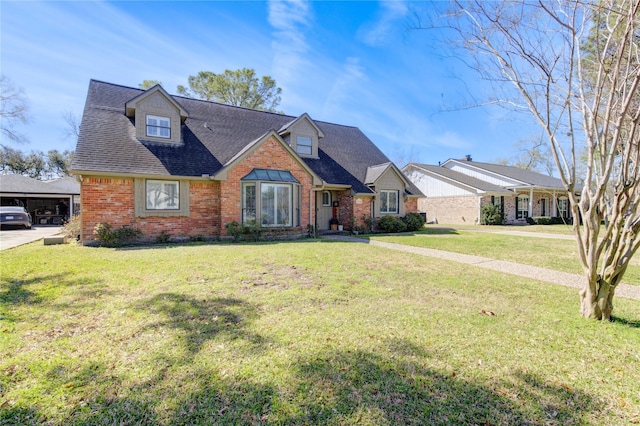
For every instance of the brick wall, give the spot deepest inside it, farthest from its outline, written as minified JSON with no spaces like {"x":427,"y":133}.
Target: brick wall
{"x":411,"y":205}
{"x":112,"y":200}
{"x":269,"y":155}
{"x":454,"y":210}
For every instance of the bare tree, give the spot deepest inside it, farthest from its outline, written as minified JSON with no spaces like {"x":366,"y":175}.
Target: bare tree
{"x":13,"y":108}
{"x":531,"y":154}
{"x":575,"y":66}
{"x":72,"y":121}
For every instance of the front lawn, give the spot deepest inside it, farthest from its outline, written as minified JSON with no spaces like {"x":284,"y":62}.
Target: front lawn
{"x":557,"y":254}
{"x":307,"y":332}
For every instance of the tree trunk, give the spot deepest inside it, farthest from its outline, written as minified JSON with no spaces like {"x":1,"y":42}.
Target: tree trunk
{"x":596,"y":300}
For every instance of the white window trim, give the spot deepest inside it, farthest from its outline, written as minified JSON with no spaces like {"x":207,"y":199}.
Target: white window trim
{"x":523,"y":207}
{"x":158,"y":127}
{"x":397,"y":206}
{"x":294,"y":203}
{"x":563,"y":201}
{"x":164,"y":187}
{"x":140,"y":200}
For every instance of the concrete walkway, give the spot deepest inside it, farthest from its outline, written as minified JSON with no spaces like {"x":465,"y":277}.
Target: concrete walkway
{"x":17,"y":237}
{"x":533,"y":272}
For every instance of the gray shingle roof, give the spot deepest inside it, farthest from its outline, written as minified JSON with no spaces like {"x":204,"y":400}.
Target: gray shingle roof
{"x":213,"y":134}
{"x":526,"y":176}
{"x":462,"y":178}
{"x":19,"y":184}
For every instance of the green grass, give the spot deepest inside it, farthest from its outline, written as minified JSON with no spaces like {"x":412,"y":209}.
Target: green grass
{"x":557,"y":254}
{"x":306,"y":332}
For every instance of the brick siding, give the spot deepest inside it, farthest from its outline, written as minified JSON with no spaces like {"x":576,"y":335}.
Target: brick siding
{"x":111,"y":200}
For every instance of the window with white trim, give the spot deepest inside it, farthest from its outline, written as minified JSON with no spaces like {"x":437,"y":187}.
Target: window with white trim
{"x":162,"y":194}
{"x":304,"y":145}
{"x":158,"y":127}
{"x":522,"y":207}
{"x":326,"y":199}
{"x":389,"y":201}
{"x":271,"y":198}
{"x":563,"y":207}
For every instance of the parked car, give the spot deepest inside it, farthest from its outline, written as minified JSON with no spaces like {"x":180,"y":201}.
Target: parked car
{"x":14,"y":217}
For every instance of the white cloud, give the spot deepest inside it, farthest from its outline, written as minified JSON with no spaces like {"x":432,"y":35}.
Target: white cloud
{"x":377,"y":33}
{"x":289,"y":19}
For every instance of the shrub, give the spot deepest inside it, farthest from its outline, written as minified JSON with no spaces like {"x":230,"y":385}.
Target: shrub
{"x":391,"y":224}
{"x":115,"y":237}
{"x":234,"y":229}
{"x":253,"y":228}
{"x":413,"y":221}
{"x":163,"y":237}
{"x":369,"y":223}
{"x":490,"y":215}
{"x":71,"y":229}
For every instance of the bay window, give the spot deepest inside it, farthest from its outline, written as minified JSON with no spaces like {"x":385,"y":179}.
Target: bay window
{"x":271,"y":198}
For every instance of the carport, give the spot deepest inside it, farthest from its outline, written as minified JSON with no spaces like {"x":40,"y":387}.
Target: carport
{"x":49,"y":202}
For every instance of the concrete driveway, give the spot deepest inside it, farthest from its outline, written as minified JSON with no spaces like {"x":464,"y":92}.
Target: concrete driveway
{"x":17,"y":237}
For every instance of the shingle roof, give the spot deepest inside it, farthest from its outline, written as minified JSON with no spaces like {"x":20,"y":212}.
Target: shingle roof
{"x":25,"y":185}
{"x":526,"y":176}
{"x":462,"y":178}
{"x":213,"y":134}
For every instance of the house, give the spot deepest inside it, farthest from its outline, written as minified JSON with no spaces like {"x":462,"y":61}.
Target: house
{"x":187,"y":167}
{"x":456,"y":190}
{"x":49,"y":202}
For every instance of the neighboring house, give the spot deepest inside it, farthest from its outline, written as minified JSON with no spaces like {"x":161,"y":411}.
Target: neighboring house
{"x":456,"y":190}
{"x":187,"y":167}
{"x":49,"y":202}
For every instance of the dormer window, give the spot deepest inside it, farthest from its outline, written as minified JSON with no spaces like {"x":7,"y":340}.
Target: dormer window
{"x":158,"y":127}
{"x":304,"y":145}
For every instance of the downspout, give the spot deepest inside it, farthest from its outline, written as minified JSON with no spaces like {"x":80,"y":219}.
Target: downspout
{"x":479,"y":210}
{"x":311,"y":215}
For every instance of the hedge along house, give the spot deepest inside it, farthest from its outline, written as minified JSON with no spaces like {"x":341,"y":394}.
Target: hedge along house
{"x":187,"y":167}
{"x":456,"y":190}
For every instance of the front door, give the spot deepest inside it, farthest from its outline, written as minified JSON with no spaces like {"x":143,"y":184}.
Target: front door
{"x":324,"y":201}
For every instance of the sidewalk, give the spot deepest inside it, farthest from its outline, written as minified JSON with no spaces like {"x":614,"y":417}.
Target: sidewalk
{"x":533,"y":272}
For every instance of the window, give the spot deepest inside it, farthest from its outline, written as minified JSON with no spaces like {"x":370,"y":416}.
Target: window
{"x":304,"y":145}
{"x":276,"y":201}
{"x":563,"y":207}
{"x":248,"y":202}
{"x":271,"y":197}
{"x":158,"y":127}
{"x":522,"y":207}
{"x":162,"y":195}
{"x":326,"y":198}
{"x":544,"y":206}
{"x":388,"y":201}
{"x":497,"y":201}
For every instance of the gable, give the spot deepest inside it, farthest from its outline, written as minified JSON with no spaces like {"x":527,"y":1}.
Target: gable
{"x":434,"y":187}
{"x":263,"y":151}
{"x":483,"y":175}
{"x":303,"y":135}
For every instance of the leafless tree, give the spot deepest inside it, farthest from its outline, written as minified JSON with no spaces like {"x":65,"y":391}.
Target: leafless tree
{"x":13,"y":108}
{"x":72,"y":128}
{"x":575,"y":66}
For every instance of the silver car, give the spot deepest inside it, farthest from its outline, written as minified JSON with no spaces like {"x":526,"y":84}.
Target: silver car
{"x":14,"y":217}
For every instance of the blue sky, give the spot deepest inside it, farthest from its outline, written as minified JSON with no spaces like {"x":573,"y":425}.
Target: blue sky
{"x":351,"y":63}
